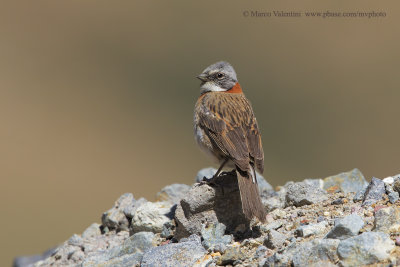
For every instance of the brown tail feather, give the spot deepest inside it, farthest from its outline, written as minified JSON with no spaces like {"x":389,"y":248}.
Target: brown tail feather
{"x":251,"y":200}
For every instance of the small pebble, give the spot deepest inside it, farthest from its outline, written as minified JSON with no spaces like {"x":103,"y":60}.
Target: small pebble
{"x":338,"y":201}
{"x":398,"y":241}
{"x":355,"y":209}
{"x":289,"y":226}
{"x":216,"y":254}
{"x":327,"y":213}
{"x":279,"y":214}
{"x":368,"y":213}
{"x":304,"y":222}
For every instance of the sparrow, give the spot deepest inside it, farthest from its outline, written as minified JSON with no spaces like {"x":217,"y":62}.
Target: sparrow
{"x":226,"y":129}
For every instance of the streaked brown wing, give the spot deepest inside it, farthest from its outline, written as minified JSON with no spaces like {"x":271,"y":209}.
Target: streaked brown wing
{"x":230,"y":123}
{"x":255,"y":145}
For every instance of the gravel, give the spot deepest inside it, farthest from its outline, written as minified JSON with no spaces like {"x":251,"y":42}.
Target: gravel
{"x":203,"y":226}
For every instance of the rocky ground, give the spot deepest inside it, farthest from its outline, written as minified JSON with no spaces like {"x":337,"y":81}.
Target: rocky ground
{"x":337,"y":221}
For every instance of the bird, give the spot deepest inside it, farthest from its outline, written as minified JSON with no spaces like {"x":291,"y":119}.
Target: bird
{"x":226,"y":129}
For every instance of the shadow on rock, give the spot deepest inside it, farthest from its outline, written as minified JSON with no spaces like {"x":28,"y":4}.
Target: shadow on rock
{"x":212,"y":202}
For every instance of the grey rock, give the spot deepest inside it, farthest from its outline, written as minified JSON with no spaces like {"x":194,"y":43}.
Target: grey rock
{"x":351,"y":181}
{"x":272,"y":203}
{"x":151,"y":216}
{"x":206,"y":172}
{"x":375,"y":192}
{"x":67,"y":254}
{"x":174,"y":254}
{"x":392,"y":194}
{"x":214,"y":237}
{"x":300,"y":194}
{"x":347,"y":227}
{"x":388,"y":180}
{"x":191,"y":238}
{"x":137,"y":243}
{"x":75,"y":240}
{"x":61,"y":256}
{"x":319,"y":252}
{"x":218,"y":202}
{"x":92,"y":231}
{"x":312,"y":229}
{"x":232,"y":254}
{"x":77,"y":256}
{"x":104,"y":242}
{"x":115,"y":217}
{"x":96,"y":259}
{"x":393,"y":197}
{"x":271,"y":226}
{"x":281,"y":258}
{"x":367,"y":248}
{"x":129,"y":210}
{"x":315,"y":182}
{"x":78,"y":249}
{"x":260,"y":252}
{"x":172,"y":193}
{"x":129,"y":253}
{"x":274,"y":239}
{"x":359,"y":195}
{"x":127,"y":260}
{"x":264,"y":187}
{"x":168,"y":229}
{"x":396,"y":183}
{"x":25,"y":261}
{"x":387,"y":220}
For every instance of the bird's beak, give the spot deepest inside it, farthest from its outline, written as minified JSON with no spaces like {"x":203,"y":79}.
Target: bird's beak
{"x":202,"y":77}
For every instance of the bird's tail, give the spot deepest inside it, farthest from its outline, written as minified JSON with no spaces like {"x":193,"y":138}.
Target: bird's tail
{"x":251,"y":200}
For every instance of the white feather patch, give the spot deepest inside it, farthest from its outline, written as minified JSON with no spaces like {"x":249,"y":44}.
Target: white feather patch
{"x":210,"y":86}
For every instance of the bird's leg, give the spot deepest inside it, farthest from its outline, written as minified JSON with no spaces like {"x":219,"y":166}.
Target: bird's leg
{"x":220,"y":169}
{"x":217,"y":173}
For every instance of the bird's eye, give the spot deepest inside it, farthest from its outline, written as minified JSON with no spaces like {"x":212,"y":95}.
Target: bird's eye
{"x":220,"y":75}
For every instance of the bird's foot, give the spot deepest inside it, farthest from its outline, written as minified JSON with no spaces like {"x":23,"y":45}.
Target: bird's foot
{"x":210,"y":181}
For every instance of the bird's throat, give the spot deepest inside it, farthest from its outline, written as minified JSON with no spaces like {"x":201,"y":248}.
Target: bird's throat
{"x":236,"y":89}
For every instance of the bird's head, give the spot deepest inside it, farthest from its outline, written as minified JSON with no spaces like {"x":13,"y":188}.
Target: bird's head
{"x":218,"y":77}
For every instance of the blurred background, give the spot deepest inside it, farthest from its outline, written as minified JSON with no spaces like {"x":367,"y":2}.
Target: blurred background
{"x":97,"y":98}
